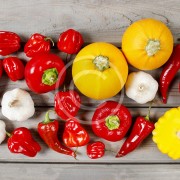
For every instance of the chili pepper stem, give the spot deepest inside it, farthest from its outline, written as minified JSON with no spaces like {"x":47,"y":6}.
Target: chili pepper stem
{"x":149,"y":110}
{"x":48,"y":38}
{"x":47,"y":119}
{"x":8,"y":134}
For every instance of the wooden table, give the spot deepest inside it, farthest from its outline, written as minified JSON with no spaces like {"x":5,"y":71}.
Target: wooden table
{"x":100,"y":20}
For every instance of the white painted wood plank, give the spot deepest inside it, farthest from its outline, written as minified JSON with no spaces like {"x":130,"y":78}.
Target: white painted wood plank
{"x":146,"y":153}
{"x":101,"y":20}
{"x":89,"y":172}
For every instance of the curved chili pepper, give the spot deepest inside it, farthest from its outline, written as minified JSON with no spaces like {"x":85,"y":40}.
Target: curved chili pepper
{"x":48,"y":130}
{"x":141,"y":129}
{"x":74,"y":134}
{"x":14,"y":68}
{"x":111,"y":121}
{"x":70,"y":41}
{"x":67,"y":104}
{"x":21,"y":141}
{"x":95,"y":150}
{"x":9,"y":43}
{"x":37,"y":43}
{"x":169,"y":72}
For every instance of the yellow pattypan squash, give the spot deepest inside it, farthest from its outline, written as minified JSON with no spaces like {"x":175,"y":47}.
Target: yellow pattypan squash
{"x":147,"y":44}
{"x":167,"y":133}
{"x":100,"y":70}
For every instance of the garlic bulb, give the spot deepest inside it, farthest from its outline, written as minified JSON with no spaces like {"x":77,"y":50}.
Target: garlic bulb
{"x":17,"y":105}
{"x":141,"y":87}
{"x":2,"y":131}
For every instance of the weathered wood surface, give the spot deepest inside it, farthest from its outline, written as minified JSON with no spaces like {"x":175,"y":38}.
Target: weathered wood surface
{"x":97,"y":20}
{"x":89,"y":172}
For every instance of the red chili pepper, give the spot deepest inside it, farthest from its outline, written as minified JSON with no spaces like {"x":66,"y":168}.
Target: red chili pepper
{"x":14,"y":68}
{"x":111,"y":121}
{"x":141,"y":129}
{"x":48,"y":130}
{"x":67,"y":104}
{"x":169,"y":72}
{"x":74,"y":134}
{"x":9,"y":43}
{"x":1,"y":68}
{"x":70,"y":41}
{"x":21,"y":141}
{"x":95,"y":150}
{"x":45,"y":72}
{"x":37,"y":44}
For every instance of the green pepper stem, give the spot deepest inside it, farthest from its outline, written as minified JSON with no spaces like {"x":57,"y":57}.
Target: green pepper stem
{"x":47,"y":119}
{"x":112,"y":122}
{"x":149,"y":110}
{"x":49,"y":39}
{"x":50,"y":76}
{"x":8,"y":134}
{"x":101,"y":62}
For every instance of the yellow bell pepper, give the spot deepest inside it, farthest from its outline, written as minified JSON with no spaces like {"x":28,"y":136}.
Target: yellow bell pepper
{"x":167,"y":133}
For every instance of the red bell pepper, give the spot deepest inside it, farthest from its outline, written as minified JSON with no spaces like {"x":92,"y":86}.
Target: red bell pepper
{"x":14,"y":68}
{"x":141,"y":129}
{"x":74,"y":134}
{"x":48,"y":130}
{"x":70,"y":41}
{"x":37,"y":44}
{"x":111,"y":121}
{"x":9,"y":43}
{"x":45,"y":72}
{"x":169,"y":71}
{"x":67,"y":104}
{"x":21,"y":141}
{"x":95,"y":150}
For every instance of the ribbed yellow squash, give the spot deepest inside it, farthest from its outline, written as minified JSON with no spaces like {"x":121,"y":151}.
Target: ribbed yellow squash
{"x":100,"y":70}
{"x":167,"y":133}
{"x":147,"y":44}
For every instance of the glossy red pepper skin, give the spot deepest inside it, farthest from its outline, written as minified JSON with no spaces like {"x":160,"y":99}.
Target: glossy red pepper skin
{"x":141,"y":129}
{"x":48,"y":131}
{"x":44,"y":72}
{"x":95,"y":150}
{"x":169,"y":71}
{"x":37,"y":43}
{"x":70,"y":41}
{"x":14,"y":68}
{"x":21,"y":141}
{"x":1,"y":68}
{"x":67,"y":104}
{"x":9,"y":43}
{"x":111,"y":121}
{"x":74,"y":134}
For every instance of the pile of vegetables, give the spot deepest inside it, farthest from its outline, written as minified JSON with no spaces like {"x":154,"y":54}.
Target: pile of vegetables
{"x":99,"y":71}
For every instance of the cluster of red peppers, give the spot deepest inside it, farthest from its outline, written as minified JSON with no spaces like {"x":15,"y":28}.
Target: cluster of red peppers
{"x":45,"y":72}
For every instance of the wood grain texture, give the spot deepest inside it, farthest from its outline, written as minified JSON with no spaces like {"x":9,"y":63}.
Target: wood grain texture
{"x":89,"y":172}
{"x":98,"y":20}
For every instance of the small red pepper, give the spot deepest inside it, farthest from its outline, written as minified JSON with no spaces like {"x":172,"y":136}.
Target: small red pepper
{"x":21,"y":141}
{"x":9,"y":43}
{"x":37,"y":44}
{"x":96,"y":150}
{"x":67,"y":104}
{"x":48,"y":130}
{"x":14,"y":68}
{"x":74,"y":134}
{"x":111,"y":121}
{"x":70,"y":41}
{"x":169,"y":71}
{"x":45,"y":72}
{"x":141,"y":129}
